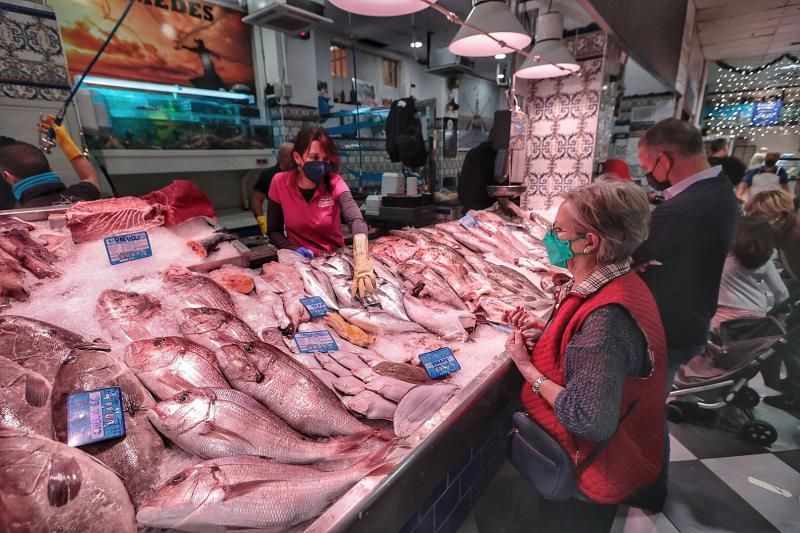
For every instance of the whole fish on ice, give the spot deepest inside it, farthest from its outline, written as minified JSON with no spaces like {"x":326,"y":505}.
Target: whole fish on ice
{"x":24,"y":399}
{"x":371,"y":405}
{"x":19,"y":244}
{"x":213,"y":422}
{"x":419,"y":405}
{"x":214,"y":328}
{"x":137,"y":456}
{"x":198,"y":290}
{"x":251,"y":493}
{"x":47,"y":486}
{"x":126,"y":314}
{"x":287,"y":388}
{"x":379,"y":321}
{"x":169,"y":365}
{"x":450,"y":324}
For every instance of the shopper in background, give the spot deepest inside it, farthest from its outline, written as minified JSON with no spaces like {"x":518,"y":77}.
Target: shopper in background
{"x":33,"y":182}
{"x":733,"y":167}
{"x":768,"y":177}
{"x":310,"y":203}
{"x":751,"y":284}
{"x":261,"y":187}
{"x":777,"y":208}
{"x":596,"y":374}
{"x":691,"y":233}
{"x":616,"y":169}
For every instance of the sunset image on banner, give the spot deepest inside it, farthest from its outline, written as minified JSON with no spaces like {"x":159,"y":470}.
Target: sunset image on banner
{"x":178,"y":42}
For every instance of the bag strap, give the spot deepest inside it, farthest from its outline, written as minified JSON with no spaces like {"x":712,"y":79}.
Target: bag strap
{"x":602,"y":445}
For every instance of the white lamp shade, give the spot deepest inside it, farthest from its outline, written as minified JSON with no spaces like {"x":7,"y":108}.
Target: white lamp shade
{"x":552,"y":53}
{"x":380,"y":8}
{"x":494,"y":18}
{"x":556,"y":60}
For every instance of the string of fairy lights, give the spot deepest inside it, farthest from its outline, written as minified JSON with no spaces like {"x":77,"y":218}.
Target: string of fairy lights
{"x":753,"y":101}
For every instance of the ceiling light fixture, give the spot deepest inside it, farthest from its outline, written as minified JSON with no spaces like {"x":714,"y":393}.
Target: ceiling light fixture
{"x":416,"y":44}
{"x":499,"y":56}
{"x":549,"y":58}
{"x":490,"y":17}
{"x":381,"y":8}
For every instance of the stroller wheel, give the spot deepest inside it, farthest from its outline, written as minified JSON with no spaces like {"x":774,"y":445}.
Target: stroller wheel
{"x":746,"y":398}
{"x":675,"y":413}
{"x":758,"y":432}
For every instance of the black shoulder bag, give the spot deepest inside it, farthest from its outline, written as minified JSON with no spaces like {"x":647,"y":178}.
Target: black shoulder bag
{"x":544,"y":462}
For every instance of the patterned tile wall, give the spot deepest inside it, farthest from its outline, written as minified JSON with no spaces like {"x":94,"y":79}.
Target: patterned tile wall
{"x":562,"y":130}
{"x":32,"y":63}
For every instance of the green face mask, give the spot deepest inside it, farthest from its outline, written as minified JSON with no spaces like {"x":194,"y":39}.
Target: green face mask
{"x":559,"y":250}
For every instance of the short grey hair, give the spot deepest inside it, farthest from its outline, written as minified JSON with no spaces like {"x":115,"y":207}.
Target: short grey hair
{"x":674,"y":135}
{"x":616,"y":211}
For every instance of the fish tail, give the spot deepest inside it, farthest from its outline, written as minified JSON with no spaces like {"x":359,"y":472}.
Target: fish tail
{"x":376,"y":463}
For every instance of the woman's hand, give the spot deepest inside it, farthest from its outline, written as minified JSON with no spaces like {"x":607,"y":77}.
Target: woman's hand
{"x":518,"y":351}
{"x":521,"y":319}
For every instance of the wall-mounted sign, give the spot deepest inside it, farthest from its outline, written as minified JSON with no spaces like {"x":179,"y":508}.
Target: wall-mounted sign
{"x":174,"y":42}
{"x":767,"y":113}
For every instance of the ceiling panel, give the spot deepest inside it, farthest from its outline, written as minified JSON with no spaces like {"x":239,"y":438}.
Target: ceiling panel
{"x":740,"y":8}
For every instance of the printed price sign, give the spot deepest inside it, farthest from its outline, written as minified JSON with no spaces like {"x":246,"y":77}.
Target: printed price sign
{"x":315,"y":341}
{"x":439,"y":363}
{"x":316,"y":307}
{"x":94,"y":416}
{"x":468,"y":221}
{"x":128,"y":247}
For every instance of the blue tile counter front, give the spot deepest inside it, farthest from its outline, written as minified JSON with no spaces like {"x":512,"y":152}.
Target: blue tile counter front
{"x":445,"y":509}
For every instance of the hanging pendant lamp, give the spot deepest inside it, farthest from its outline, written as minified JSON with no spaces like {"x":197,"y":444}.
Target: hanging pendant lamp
{"x":550,"y":49}
{"x":380,"y":8}
{"x":494,"y":18}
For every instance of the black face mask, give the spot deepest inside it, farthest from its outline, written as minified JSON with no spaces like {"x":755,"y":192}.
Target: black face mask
{"x":654,"y":183}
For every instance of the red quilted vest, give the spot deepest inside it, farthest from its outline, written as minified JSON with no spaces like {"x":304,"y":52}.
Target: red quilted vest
{"x":633,"y":457}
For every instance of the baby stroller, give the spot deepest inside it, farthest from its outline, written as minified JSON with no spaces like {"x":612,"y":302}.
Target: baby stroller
{"x":712,"y":389}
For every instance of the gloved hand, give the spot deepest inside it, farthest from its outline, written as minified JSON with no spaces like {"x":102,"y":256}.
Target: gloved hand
{"x":262,"y":224}
{"x":63,"y":140}
{"x":364,"y":275}
{"x":305,"y":252}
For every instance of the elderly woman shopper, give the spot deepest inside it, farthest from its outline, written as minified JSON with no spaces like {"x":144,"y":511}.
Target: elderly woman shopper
{"x":594,"y":380}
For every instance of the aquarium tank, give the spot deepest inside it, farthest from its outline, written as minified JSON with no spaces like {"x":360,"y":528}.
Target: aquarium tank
{"x":135,"y":115}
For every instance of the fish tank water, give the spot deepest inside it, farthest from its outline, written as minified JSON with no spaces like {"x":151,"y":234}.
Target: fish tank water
{"x":164,"y":117}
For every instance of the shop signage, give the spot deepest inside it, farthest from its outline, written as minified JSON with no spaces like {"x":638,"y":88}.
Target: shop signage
{"x":439,"y":363}
{"x":128,"y":247}
{"x":315,"y":341}
{"x":94,"y":416}
{"x":173,"y":42}
{"x":316,"y":307}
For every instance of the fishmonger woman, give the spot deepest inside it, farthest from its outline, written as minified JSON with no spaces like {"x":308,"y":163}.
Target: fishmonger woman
{"x":311,"y":201}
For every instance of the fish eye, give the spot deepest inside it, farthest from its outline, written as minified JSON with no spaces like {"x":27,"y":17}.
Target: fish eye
{"x":160,"y":341}
{"x":182,"y":397}
{"x":249,"y":348}
{"x":177,"y":479}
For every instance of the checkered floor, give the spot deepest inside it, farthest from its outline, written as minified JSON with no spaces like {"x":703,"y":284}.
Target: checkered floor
{"x":719,"y":483}
{"x":716,"y":483}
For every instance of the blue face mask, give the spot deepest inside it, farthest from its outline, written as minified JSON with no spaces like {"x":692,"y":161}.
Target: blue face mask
{"x":316,"y":170}
{"x":559,"y":251}
{"x":46,"y":178}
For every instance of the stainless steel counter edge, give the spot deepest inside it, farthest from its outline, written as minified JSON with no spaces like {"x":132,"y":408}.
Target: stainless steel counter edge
{"x":390,"y":503}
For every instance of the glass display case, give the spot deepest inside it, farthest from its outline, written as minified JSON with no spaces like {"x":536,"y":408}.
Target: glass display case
{"x":119,"y":114}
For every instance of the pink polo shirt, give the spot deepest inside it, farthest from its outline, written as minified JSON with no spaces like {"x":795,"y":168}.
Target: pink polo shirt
{"x":316,"y":225}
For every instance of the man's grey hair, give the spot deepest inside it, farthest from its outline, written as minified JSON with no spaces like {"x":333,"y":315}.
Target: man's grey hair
{"x":675,"y":136}
{"x":616,"y":211}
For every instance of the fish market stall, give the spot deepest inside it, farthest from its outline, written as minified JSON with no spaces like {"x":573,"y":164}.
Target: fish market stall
{"x":265,"y":398}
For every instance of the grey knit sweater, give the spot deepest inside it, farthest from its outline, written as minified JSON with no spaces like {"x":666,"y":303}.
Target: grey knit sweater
{"x":608,"y":348}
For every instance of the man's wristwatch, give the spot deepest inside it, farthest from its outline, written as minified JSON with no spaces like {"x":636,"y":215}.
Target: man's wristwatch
{"x":536,"y":385}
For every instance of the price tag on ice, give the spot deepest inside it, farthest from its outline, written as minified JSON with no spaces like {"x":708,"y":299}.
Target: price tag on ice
{"x":316,"y":307}
{"x":128,"y":247}
{"x":439,"y":363}
{"x":315,"y":341}
{"x":94,"y":416}
{"x":468,"y":221}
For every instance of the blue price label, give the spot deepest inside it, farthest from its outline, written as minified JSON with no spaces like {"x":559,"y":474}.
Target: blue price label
{"x":439,"y":363}
{"x":468,"y":221}
{"x":316,"y":307}
{"x":315,"y":341}
{"x":128,"y":247}
{"x":94,"y":416}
